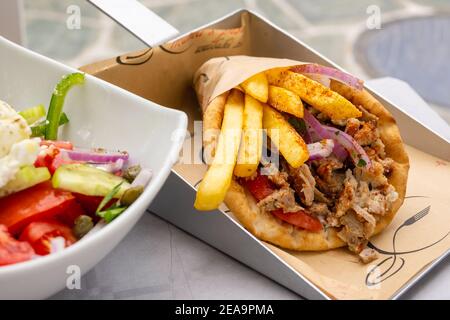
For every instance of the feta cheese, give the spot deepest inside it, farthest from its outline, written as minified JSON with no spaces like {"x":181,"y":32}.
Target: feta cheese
{"x":16,"y":147}
{"x":13,"y":128}
{"x":22,"y":153}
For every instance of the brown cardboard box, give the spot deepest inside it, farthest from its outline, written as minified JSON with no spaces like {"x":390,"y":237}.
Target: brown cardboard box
{"x":408,"y":250}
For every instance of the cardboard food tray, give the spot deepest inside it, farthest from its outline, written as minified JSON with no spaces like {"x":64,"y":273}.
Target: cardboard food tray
{"x":165,"y":74}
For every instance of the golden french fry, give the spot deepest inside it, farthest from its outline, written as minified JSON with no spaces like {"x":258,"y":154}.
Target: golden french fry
{"x":285,"y":100}
{"x":283,"y":135}
{"x":212,"y":121}
{"x":274,"y":75}
{"x":217,"y":179}
{"x":257,"y":87}
{"x":251,"y":143}
{"x":317,"y":95}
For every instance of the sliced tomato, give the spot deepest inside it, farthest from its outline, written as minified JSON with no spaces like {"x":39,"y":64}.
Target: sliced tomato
{"x":300,"y":219}
{"x":52,"y":158}
{"x":73,"y":211}
{"x":11,"y":250}
{"x":39,"y":235}
{"x":58,"y":144}
{"x":88,"y":203}
{"x":91,"y":203}
{"x":260,"y":187}
{"x":45,"y":157}
{"x":36,"y":203}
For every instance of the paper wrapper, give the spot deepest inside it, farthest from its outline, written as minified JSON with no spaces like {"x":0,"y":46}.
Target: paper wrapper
{"x":165,"y":75}
{"x":221,"y":74}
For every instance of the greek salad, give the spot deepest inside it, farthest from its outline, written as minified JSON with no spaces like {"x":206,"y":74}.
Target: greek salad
{"x":52,"y":194}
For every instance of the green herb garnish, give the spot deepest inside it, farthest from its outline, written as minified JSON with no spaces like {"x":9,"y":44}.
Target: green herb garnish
{"x":114,"y":210}
{"x":361,"y":163}
{"x":108,"y":197}
{"x":111,"y":213}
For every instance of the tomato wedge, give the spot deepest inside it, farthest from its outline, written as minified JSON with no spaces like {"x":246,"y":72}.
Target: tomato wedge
{"x":68,"y":216}
{"x":36,"y":203}
{"x":91,"y":203}
{"x":261,"y":187}
{"x":39,"y":235}
{"x":300,"y":219}
{"x":52,"y":158}
{"x":11,"y":250}
{"x":45,"y":157}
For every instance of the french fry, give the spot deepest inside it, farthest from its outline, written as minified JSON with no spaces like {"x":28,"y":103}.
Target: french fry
{"x":257,"y":87}
{"x":215,"y":184}
{"x":212,"y":121}
{"x":283,"y":135}
{"x":251,"y":143}
{"x":285,"y":100}
{"x":317,"y":95}
{"x":274,"y":75}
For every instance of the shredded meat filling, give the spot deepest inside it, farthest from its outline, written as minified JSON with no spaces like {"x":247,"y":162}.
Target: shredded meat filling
{"x":364,"y":132}
{"x":303,"y":183}
{"x":351,"y":199}
{"x":353,"y":232}
{"x":368,"y":255}
{"x":328,"y":180}
{"x":375,"y":175}
{"x":319,"y":209}
{"x":357,"y":209}
{"x":280,"y":199}
{"x":347,"y":197}
{"x":279,"y":178}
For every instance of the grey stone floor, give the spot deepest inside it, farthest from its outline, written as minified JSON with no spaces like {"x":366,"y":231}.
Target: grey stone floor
{"x":336,"y":28}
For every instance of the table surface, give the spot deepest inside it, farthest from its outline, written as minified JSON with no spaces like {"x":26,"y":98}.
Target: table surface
{"x":159,"y":261}
{"x":167,"y":263}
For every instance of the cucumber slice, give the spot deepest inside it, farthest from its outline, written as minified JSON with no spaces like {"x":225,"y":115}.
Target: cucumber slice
{"x":33,"y":114}
{"x":26,"y":178}
{"x":87,"y":180}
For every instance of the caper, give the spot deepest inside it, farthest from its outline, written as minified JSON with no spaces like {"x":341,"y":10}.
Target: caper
{"x":83,"y":224}
{"x":130,"y":195}
{"x":131,"y":173}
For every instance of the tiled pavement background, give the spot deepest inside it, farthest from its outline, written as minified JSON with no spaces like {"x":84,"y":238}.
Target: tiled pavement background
{"x":416,"y":52}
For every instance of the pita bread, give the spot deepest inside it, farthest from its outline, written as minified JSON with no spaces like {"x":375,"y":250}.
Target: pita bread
{"x":268,"y":228}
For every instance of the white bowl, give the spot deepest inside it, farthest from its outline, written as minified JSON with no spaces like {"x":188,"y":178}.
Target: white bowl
{"x":101,"y":115}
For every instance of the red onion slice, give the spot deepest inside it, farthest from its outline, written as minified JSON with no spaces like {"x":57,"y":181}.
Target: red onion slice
{"x":111,"y":167}
{"x":331,"y":73}
{"x":321,"y":149}
{"x":318,"y":132}
{"x":357,"y":153}
{"x":95,"y":157}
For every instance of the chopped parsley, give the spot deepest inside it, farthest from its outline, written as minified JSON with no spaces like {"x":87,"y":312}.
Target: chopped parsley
{"x":361,"y":163}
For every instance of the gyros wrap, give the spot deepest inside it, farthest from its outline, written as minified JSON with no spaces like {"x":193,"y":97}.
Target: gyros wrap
{"x":341,"y":168}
